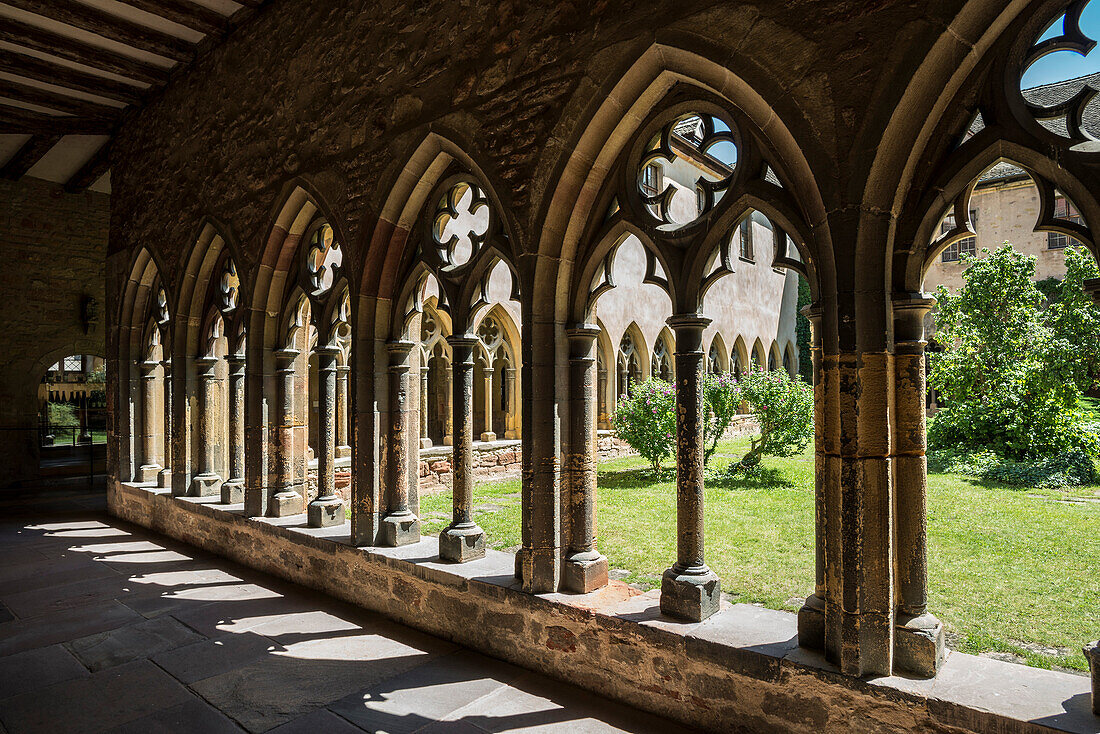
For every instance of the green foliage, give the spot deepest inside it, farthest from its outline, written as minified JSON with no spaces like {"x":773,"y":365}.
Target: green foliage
{"x":1011,"y":373}
{"x":721,"y":396}
{"x":1075,"y":321}
{"x":1067,"y":469}
{"x":646,"y":419}
{"x":97,"y":375}
{"x":802,"y":333}
{"x":783,"y":408}
{"x":61,"y":414}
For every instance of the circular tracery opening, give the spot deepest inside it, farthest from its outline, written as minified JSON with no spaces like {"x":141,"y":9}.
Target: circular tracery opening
{"x":323,"y":258}
{"x":461,"y":223}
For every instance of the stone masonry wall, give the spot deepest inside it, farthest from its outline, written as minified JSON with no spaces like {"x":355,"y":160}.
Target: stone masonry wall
{"x":54,"y":246}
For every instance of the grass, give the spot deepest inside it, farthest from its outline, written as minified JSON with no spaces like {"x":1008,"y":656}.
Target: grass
{"x":1010,"y":570}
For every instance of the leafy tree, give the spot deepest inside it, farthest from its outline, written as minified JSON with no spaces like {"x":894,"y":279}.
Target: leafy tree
{"x":1075,"y":320}
{"x":61,"y":414}
{"x":721,"y":396}
{"x":646,"y":419}
{"x":802,"y":332}
{"x":784,"y":410}
{"x":1011,"y":372}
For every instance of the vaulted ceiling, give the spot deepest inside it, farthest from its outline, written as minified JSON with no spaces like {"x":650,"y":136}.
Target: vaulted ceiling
{"x":70,"y":68}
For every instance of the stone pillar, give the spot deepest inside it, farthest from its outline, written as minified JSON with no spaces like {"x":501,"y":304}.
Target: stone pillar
{"x":425,"y":439}
{"x":164,"y":478}
{"x":327,"y":509}
{"x":462,"y":540}
{"x":233,"y":488}
{"x":689,"y":590}
{"x":207,"y":482}
{"x":287,"y":499}
{"x":488,"y":434}
{"x":918,"y":635}
{"x":448,"y":405}
{"x":511,"y":415}
{"x":149,"y":468}
{"x":584,"y":569}
{"x":399,"y":525}
{"x":1092,"y":655}
{"x":343,"y":448}
{"x":811,"y":618}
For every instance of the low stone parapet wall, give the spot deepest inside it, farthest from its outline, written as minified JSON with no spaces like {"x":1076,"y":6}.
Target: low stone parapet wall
{"x":739,"y":670}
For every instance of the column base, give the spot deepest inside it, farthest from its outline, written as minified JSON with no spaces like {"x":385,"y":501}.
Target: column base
{"x":690,"y":596}
{"x":488,"y":436}
{"x":811,"y":623}
{"x":164,"y":478}
{"x":1092,"y":655}
{"x":147,"y":473}
{"x":325,"y":512}
{"x":584,"y":572}
{"x":400,"y":528}
{"x":233,"y":492}
{"x":343,"y":452}
{"x":206,"y":485}
{"x":460,"y":544}
{"x":919,"y":646}
{"x":286,"y":503}
{"x":448,"y":441}
{"x":426,"y":443}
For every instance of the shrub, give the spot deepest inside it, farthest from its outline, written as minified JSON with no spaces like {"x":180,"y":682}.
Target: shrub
{"x":1069,"y":468}
{"x":61,"y":414}
{"x":646,"y":419}
{"x":721,"y":396}
{"x":784,"y":409}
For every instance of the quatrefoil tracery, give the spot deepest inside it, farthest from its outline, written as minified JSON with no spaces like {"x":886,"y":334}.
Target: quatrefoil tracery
{"x":460,"y":226}
{"x":229,"y":287}
{"x":323,"y":261}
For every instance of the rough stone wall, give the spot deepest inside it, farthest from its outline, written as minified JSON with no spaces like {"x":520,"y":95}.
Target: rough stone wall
{"x":54,"y":246}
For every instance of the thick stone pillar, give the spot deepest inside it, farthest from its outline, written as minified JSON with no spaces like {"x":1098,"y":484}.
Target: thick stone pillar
{"x":918,"y":635}
{"x":327,"y":509}
{"x":399,"y":525}
{"x":584,"y":569}
{"x":811,"y":618}
{"x":287,"y":500}
{"x":343,"y":448}
{"x":463,"y":540}
{"x":149,"y":468}
{"x":1092,"y":654}
{"x":233,"y":488}
{"x":425,"y":439}
{"x":207,"y":482}
{"x":487,"y":393}
{"x":511,"y":414}
{"x":689,"y":589}
{"x":164,"y":478}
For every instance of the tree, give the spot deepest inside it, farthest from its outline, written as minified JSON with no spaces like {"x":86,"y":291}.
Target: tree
{"x":1075,"y":320}
{"x":1011,"y":372}
{"x":802,"y":332}
{"x":784,"y":409}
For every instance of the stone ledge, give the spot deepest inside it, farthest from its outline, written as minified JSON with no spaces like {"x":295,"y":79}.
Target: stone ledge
{"x":741,"y":667}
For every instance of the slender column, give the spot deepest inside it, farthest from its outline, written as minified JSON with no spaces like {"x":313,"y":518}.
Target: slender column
{"x":918,"y":635}
{"x":147,"y":472}
{"x":425,"y":439}
{"x":448,"y":406}
{"x":811,"y":618}
{"x":689,"y":590}
{"x":511,"y":413}
{"x":488,"y":434}
{"x":585,"y":569}
{"x":164,"y":478}
{"x":233,"y":488}
{"x":399,"y":526}
{"x":327,"y":509}
{"x":343,"y":448}
{"x":207,"y":482}
{"x":462,"y":540}
{"x":287,"y":499}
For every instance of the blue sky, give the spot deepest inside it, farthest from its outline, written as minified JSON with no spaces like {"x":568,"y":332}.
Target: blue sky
{"x":1063,"y":65}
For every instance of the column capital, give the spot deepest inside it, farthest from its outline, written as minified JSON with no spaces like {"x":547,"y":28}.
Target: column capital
{"x":206,"y":364}
{"x":166,"y":364}
{"x":687,"y":322}
{"x":284,"y":358}
{"x":462,"y":350}
{"x":147,"y":367}
{"x":399,"y":352}
{"x":236,"y":364}
{"x":910,"y":310}
{"x":343,"y":370}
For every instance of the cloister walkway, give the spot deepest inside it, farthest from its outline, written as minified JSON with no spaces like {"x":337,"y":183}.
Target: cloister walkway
{"x":106,"y":627}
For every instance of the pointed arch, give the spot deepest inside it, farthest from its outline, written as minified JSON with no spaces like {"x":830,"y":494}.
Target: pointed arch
{"x":717,"y":355}
{"x":758,"y":359}
{"x":740,"y":360}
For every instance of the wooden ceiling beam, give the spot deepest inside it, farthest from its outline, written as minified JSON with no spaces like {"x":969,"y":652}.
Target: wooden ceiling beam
{"x":30,"y":153}
{"x":109,"y":26}
{"x":188,"y":14}
{"x":53,"y":100}
{"x":18,"y":121}
{"x":32,"y":37}
{"x":91,"y":171}
{"x":62,"y":76}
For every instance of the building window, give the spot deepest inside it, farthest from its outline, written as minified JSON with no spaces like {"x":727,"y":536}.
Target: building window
{"x":744,"y":237}
{"x":967,"y":246}
{"x":1063,"y":209}
{"x":653,"y":180}
{"x":74,"y":364}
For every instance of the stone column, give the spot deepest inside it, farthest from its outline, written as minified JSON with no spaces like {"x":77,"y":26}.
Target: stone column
{"x":164,"y":479}
{"x":287,"y":499}
{"x":511,"y":414}
{"x":399,"y":525}
{"x":425,"y":439}
{"x":811,"y":618}
{"x":343,"y":448}
{"x":689,"y":590}
{"x":149,"y":469}
{"x":488,"y":434}
{"x":1092,"y":656}
{"x":327,"y":509}
{"x":207,"y":482}
{"x":448,"y":405}
{"x":918,"y":635}
{"x":462,"y":540}
{"x":233,"y":488}
{"x":584,"y":569}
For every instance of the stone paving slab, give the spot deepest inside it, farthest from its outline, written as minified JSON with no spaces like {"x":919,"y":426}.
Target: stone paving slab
{"x":132,"y":642}
{"x":31,"y":670}
{"x":191,"y":717}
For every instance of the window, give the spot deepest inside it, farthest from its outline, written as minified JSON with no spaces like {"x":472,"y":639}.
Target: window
{"x":74,"y":364}
{"x":744,"y":237}
{"x":1063,"y":209}
{"x":653,"y":180}
{"x":967,"y":246}
{"x":700,"y":200}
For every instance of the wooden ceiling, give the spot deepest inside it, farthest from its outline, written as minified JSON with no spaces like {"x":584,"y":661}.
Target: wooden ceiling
{"x":70,"y":68}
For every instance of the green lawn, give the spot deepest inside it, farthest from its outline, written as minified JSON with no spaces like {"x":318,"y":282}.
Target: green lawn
{"x":1007,"y":566}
